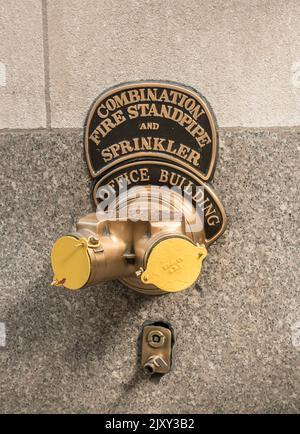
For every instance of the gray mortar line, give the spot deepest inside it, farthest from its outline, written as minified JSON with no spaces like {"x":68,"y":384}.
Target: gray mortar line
{"x":46,"y":63}
{"x":39,"y":130}
{"x":295,"y":128}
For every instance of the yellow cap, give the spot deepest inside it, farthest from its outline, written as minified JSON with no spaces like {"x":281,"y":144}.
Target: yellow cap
{"x":70,"y":262}
{"x":174,"y":264}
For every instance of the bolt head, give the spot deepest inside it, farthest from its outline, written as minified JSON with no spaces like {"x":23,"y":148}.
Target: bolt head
{"x":93,"y":240}
{"x":156,"y":338}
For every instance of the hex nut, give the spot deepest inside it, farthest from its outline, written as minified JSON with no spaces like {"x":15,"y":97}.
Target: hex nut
{"x":156,"y":338}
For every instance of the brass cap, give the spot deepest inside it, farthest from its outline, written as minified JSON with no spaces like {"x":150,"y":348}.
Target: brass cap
{"x":174,"y":264}
{"x":70,"y":262}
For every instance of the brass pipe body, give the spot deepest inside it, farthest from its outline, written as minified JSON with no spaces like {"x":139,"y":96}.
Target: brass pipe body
{"x":119,"y":248}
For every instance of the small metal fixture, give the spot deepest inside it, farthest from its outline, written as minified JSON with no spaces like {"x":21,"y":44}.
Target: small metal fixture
{"x":157,"y":343}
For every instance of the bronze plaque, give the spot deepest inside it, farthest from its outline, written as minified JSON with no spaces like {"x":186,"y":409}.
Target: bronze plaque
{"x":161,"y":121}
{"x":155,"y":133}
{"x":166,"y":174}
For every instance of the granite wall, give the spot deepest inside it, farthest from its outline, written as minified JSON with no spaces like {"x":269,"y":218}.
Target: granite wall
{"x":238,"y":336}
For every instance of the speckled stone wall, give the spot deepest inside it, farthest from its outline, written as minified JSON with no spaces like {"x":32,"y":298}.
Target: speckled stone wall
{"x":238,"y":338}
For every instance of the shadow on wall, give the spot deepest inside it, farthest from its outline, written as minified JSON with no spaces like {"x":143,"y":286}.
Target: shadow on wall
{"x":62,"y":332}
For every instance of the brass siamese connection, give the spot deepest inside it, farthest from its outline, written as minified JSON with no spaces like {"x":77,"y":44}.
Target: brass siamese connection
{"x":153,"y":255}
